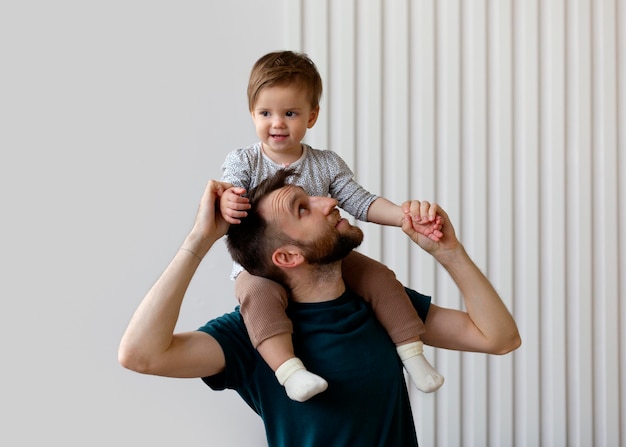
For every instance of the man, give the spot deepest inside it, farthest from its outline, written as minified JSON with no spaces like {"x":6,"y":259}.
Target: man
{"x":335,"y":332}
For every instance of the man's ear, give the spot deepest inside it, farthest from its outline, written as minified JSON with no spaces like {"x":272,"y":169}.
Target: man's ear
{"x":288,"y":256}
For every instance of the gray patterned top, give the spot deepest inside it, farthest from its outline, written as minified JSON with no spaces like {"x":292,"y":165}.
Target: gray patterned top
{"x":321,"y":173}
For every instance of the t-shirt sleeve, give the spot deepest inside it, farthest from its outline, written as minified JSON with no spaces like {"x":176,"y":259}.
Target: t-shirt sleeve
{"x":230,"y":332}
{"x":420,"y":302}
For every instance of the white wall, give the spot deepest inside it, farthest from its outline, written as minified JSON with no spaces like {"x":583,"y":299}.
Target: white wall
{"x":113,"y":115}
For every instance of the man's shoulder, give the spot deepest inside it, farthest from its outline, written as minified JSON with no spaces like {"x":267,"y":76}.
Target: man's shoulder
{"x":228,"y":325}
{"x":420,"y":301}
{"x":230,"y":333}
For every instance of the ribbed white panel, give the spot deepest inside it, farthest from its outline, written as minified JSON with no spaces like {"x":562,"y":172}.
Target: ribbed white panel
{"x":526,"y":230}
{"x":552,"y":209}
{"x":474,"y":197}
{"x":316,"y":39}
{"x":606,"y":205}
{"x":369,"y":107}
{"x":448,"y":170}
{"x":422,"y":175}
{"x":499,"y":191}
{"x":579,"y":226}
{"x":621,"y":150}
{"x":512,"y":115}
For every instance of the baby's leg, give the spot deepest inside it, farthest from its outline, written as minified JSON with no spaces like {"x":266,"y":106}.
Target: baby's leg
{"x":378,"y":285}
{"x":263,"y":303}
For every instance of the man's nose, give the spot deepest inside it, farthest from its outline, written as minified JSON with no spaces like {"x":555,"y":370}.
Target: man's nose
{"x":325,"y":204}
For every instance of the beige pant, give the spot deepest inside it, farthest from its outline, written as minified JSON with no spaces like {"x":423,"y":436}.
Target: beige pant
{"x":263,"y":301}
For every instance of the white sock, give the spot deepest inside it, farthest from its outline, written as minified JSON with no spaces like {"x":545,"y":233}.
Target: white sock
{"x":299,"y":383}
{"x":422,"y":374}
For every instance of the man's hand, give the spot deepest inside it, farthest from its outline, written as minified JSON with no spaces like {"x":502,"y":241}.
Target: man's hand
{"x":424,"y":219}
{"x":428,"y":226}
{"x":209,"y":224}
{"x":233,"y":205}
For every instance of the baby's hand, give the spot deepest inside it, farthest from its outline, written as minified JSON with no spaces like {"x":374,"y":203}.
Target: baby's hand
{"x":233,"y":206}
{"x":424,"y":217}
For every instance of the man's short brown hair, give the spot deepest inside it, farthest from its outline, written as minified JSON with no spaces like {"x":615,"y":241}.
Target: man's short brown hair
{"x":252,"y":242}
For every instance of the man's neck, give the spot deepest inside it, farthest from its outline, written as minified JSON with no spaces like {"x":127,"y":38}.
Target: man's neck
{"x":314,"y":284}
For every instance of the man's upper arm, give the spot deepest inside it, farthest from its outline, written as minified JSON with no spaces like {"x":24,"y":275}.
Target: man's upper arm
{"x":447,"y":328}
{"x":452,"y":329}
{"x":191,"y":354}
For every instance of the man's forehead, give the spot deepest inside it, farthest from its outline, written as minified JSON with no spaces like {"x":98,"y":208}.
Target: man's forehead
{"x":281,"y":201}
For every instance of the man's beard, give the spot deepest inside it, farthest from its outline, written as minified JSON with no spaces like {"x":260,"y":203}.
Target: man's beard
{"x":332,"y":246}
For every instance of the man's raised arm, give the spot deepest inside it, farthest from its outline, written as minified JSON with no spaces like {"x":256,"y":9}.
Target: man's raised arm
{"x":149,"y":344}
{"x":487,"y":326}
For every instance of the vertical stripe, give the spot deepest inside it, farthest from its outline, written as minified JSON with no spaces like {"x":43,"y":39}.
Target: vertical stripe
{"x":423,"y":178}
{"x":316,"y":43}
{"x":395,"y":120}
{"x":526,"y":237}
{"x":606,"y":381}
{"x":474,"y":377}
{"x":500,"y":190}
{"x":621,"y":187}
{"x":448,"y":22}
{"x":369,"y":150}
{"x":579,"y":345}
{"x":551,"y":210}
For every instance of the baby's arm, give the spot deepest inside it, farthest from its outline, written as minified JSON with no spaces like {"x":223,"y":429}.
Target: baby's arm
{"x":233,"y":205}
{"x":385,"y":212}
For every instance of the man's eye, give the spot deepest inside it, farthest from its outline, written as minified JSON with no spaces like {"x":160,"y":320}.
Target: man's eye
{"x":302,"y":210}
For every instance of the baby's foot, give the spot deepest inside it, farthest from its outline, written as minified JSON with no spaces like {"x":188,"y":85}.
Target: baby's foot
{"x":299,"y":383}
{"x":303,"y":384}
{"x":422,"y":374}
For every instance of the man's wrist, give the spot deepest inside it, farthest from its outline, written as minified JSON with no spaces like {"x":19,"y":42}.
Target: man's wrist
{"x":191,"y":252}
{"x":448,"y":256}
{"x":198,"y":246}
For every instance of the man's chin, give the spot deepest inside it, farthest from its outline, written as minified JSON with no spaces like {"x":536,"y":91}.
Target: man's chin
{"x":346,"y":243}
{"x":355,"y":235}
{"x":336,"y":247}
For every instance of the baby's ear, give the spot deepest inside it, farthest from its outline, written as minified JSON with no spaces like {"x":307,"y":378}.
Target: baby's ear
{"x":313,"y":117}
{"x":287,"y":256}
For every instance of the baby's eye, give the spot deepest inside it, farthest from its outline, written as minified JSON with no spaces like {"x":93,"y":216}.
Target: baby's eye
{"x":264,"y":113}
{"x":291,"y":114}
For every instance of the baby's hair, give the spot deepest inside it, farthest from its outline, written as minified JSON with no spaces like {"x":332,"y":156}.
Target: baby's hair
{"x":282,"y":68}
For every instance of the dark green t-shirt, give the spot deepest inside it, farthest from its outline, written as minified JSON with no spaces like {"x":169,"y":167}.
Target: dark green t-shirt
{"x":366,"y":403}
